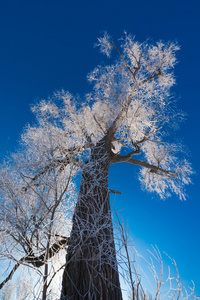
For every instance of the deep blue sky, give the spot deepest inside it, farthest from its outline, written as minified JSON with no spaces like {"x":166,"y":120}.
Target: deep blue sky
{"x":48,"y":45}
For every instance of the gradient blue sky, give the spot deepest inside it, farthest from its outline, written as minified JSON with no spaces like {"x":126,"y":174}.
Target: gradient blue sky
{"x":48,"y":45}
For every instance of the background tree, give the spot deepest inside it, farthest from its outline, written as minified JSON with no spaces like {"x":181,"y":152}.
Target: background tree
{"x":34,"y":211}
{"x":148,"y":276}
{"x":128,"y":113}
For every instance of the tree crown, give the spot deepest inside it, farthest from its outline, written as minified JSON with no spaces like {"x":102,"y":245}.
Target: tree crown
{"x":130,"y":106}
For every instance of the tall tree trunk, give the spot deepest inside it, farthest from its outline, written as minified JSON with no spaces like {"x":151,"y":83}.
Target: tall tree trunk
{"x":91,"y":271}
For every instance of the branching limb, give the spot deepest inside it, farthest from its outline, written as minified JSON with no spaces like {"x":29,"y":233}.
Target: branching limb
{"x":55,"y":248}
{"x":122,"y":58}
{"x":61,"y":163}
{"x":153,"y":168}
{"x":152,"y":76}
{"x":9,"y":277}
{"x":37,"y":261}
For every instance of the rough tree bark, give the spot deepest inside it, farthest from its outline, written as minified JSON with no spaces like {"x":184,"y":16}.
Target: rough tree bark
{"x":91,"y":270}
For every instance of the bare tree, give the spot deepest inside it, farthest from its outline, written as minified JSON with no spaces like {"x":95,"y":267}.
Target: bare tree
{"x":35,"y":211}
{"x":149,"y":277}
{"x":128,"y":113}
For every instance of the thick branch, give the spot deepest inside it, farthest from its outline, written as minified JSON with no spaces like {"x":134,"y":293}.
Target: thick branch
{"x":153,"y":168}
{"x":37,"y":261}
{"x":152,"y":76}
{"x":9,"y":277}
{"x":41,"y":260}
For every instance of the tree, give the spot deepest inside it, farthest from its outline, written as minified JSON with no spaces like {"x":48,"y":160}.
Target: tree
{"x":162,"y":281}
{"x":34,"y":211}
{"x":128,"y":113}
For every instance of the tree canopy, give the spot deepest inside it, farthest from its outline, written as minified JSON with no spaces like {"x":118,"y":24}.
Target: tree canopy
{"x":131,"y":105}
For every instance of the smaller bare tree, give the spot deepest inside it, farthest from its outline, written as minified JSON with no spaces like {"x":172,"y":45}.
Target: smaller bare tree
{"x":149,"y":278}
{"x":35,"y":211}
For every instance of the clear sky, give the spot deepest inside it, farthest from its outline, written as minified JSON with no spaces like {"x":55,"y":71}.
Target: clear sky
{"x":48,"y":45}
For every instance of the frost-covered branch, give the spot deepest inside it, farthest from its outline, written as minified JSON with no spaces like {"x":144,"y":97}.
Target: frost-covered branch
{"x":37,"y":261}
{"x":148,"y":276}
{"x":154,"y":169}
